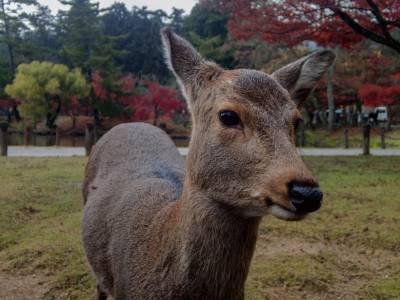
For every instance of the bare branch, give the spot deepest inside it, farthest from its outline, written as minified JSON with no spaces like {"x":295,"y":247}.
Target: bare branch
{"x":390,"y":42}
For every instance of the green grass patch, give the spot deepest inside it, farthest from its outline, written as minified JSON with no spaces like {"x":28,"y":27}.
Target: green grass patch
{"x":347,"y":249}
{"x":40,"y":217}
{"x":325,"y":139}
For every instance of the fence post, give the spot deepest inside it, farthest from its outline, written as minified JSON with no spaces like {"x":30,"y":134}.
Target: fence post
{"x":27,"y":132}
{"x":366,"y":138}
{"x":346,"y":138}
{"x":382,"y":133}
{"x":96,"y":133}
{"x":3,"y":139}
{"x":58,"y":133}
{"x":300,"y":136}
{"x":89,"y":138}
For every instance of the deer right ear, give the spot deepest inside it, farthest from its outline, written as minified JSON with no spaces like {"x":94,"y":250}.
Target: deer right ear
{"x":189,"y":67}
{"x":300,"y":77}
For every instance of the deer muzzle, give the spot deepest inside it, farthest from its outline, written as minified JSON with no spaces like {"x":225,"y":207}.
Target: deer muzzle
{"x":305,"y":198}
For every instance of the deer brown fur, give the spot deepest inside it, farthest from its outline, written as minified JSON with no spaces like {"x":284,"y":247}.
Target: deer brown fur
{"x":153,"y":229}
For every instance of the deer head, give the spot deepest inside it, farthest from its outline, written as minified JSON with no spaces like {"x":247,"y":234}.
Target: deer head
{"x":242,"y":152}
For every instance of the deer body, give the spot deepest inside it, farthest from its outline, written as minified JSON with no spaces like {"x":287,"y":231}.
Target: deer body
{"x":147,"y":240}
{"x":153,"y":229}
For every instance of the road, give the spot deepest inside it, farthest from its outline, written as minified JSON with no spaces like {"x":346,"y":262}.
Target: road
{"x":31,"y":151}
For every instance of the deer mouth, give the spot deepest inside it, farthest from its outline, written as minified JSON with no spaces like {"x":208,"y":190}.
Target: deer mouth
{"x":281,"y":212}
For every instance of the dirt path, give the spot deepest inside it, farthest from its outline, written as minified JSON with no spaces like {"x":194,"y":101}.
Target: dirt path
{"x":21,"y":287}
{"x":33,"y":151}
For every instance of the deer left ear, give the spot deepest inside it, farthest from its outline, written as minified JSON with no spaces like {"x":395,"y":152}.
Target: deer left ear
{"x":189,"y":67}
{"x":301,"y":76}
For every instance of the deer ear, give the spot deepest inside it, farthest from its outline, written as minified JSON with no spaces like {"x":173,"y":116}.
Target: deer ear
{"x":301,"y":76}
{"x":189,"y":67}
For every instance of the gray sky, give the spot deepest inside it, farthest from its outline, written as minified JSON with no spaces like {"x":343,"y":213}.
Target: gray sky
{"x":165,"y":5}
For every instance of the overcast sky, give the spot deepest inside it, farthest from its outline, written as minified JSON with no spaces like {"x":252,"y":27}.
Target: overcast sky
{"x":165,"y":5}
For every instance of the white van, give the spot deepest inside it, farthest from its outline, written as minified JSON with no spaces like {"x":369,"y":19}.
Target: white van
{"x":381,"y":114}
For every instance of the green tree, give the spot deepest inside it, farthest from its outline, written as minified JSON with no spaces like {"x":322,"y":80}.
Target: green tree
{"x":41,"y":42}
{"x":13,"y":22}
{"x":87,"y":46}
{"x":142,"y":44}
{"x":5,"y":73}
{"x":177,"y":20}
{"x":16,"y":28}
{"x":44,"y":87}
{"x":206,"y":22}
{"x":207,"y":31}
{"x":81,"y":34}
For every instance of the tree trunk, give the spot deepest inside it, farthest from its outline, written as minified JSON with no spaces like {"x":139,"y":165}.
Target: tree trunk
{"x":382,"y":134}
{"x":301,"y":135}
{"x":58,"y":136}
{"x":51,"y":118}
{"x":331,"y":101}
{"x":10,"y":48}
{"x":156,"y":115}
{"x":389,"y":118}
{"x":3,"y":139}
{"x":89,"y":138}
{"x":16,"y":113}
{"x":346,"y":138}
{"x":96,"y":115}
{"x":366,"y":138}
{"x":27,"y":133}
{"x":73,"y":121}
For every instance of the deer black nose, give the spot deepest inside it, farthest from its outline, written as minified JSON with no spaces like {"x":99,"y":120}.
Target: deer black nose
{"x":305,"y":198}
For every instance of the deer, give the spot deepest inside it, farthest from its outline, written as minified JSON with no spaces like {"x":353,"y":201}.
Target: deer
{"x":158,"y":227}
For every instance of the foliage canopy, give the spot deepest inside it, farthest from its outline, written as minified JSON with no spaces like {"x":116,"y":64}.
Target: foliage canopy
{"x":43,"y":87}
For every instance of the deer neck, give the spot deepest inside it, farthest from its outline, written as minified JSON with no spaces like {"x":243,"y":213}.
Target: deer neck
{"x":216,"y":246}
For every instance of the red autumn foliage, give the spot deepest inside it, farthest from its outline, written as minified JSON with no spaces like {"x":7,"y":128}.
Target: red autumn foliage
{"x":327,"y":22}
{"x":6,"y":104}
{"x":102,"y":94}
{"x":359,"y":68}
{"x":375,"y":95}
{"x":148,"y":101}
{"x":156,"y":101}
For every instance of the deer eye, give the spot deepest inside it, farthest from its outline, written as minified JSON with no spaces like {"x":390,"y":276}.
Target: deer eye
{"x":230,"y":118}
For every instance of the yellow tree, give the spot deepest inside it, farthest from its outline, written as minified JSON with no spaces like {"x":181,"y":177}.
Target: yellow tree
{"x":44,"y":88}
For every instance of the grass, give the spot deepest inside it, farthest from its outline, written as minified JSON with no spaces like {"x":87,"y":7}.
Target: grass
{"x":325,"y":139}
{"x":348,"y":250}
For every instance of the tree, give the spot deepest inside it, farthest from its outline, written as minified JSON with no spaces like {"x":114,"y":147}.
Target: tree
{"x":13,"y":22}
{"x":329,"y":22}
{"x":206,"y":30}
{"x":293,"y":22}
{"x":177,"y":20}
{"x":81,"y":34}
{"x":375,"y":95}
{"x":44,"y":87}
{"x":141,"y":43}
{"x":152,"y":101}
{"x":88,"y":47}
{"x":112,"y":101}
{"x":41,"y":41}
{"x":206,"y":22}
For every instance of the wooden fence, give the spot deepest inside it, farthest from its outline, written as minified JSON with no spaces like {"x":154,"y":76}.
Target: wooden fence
{"x":92,"y":135}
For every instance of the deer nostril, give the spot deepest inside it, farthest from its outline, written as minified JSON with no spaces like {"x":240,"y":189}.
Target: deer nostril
{"x":305,"y":198}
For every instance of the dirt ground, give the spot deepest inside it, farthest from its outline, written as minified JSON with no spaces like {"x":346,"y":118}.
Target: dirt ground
{"x":366,"y":264}
{"x":21,"y":287}
{"x":269,"y":246}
